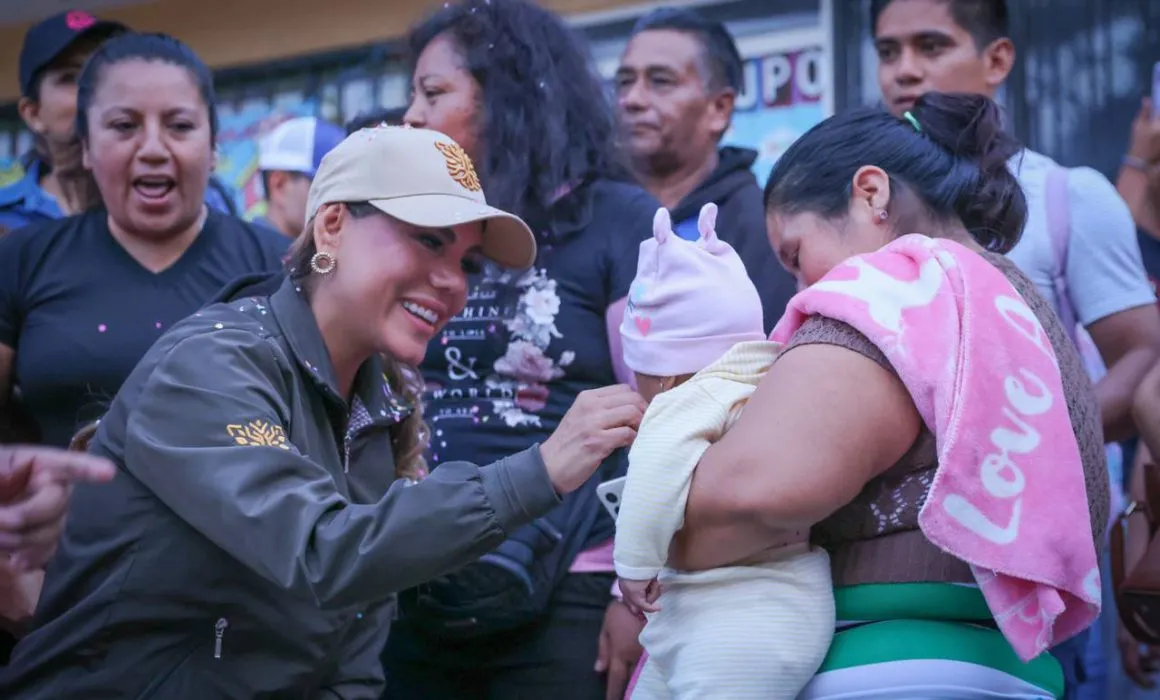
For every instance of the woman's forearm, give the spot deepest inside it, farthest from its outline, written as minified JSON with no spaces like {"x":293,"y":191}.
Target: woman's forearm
{"x":822,"y":423}
{"x":1117,"y":392}
{"x":733,"y":513}
{"x":1146,"y":414}
{"x":698,"y":549}
{"x":1136,"y":532}
{"x":1134,"y":186}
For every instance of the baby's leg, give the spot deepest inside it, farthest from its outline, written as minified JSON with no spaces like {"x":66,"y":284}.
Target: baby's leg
{"x":757,"y":632}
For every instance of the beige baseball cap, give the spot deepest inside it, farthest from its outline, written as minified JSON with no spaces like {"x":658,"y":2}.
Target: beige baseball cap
{"x":423,"y":178}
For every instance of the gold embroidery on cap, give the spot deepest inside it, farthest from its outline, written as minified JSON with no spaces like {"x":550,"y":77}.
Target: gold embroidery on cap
{"x":459,"y":165}
{"x":258,"y":433}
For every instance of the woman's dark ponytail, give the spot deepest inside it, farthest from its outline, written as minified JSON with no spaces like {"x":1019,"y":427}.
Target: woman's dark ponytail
{"x":970,"y":128}
{"x":949,"y":152}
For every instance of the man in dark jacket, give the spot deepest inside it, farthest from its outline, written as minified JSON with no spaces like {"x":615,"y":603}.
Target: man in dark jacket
{"x":676,"y":85}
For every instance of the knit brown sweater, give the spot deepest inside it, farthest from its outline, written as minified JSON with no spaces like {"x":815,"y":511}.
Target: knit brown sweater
{"x":875,"y":538}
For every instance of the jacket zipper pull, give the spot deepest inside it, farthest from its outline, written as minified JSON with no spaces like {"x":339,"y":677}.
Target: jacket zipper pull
{"x":219,"y":631}
{"x":346,"y":454}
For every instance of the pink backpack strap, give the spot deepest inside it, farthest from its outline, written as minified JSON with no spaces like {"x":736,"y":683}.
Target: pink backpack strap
{"x":1059,"y":230}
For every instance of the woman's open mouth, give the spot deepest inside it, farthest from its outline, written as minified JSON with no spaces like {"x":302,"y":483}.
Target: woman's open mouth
{"x":154,"y":188}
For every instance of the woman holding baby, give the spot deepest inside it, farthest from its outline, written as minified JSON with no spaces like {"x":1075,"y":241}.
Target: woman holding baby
{"x":927,"y":422}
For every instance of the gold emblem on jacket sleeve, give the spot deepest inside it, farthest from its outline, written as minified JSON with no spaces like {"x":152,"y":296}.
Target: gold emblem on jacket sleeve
{"x":258,"y":433}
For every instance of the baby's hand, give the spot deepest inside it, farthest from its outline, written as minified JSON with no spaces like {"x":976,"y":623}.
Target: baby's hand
{"x":641,"y":596}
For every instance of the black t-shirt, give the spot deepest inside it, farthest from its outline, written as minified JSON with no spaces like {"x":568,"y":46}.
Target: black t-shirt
{"x":80,"y":312}
{"x":502,"y":373}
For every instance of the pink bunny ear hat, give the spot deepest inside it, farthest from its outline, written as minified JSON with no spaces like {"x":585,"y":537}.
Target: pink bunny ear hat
{"x":691,"y":301}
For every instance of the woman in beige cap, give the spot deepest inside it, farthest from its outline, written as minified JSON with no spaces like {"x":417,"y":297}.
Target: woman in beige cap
{"x":255,"y":535}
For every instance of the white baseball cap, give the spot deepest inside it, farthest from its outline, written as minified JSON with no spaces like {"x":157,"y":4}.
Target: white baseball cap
{"x":298,"y":145}
{"x":423,"y":178}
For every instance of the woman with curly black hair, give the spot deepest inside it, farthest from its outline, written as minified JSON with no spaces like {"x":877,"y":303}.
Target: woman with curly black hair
{"x":518,"y":90}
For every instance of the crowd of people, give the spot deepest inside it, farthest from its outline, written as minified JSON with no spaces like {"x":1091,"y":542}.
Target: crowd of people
{"x":530,"y":390}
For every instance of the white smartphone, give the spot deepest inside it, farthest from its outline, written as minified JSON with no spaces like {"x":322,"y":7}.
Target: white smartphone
{"x":609,"y":493}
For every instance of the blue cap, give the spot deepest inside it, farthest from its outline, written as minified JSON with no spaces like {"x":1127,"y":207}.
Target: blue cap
{"x":298,"y":145}
{"x":48,"y":40}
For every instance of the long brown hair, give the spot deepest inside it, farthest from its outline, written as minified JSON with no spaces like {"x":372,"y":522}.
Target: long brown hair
{"x":410,"y":437}
{"x":76,"y":182}
{"x":80,"y":441}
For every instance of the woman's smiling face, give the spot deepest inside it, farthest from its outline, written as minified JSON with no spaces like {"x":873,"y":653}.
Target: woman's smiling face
{"x":397,"y":284}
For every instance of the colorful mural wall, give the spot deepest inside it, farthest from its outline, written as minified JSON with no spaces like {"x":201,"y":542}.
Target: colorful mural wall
{"x":237,"y":163}
{"x":782,"y":100}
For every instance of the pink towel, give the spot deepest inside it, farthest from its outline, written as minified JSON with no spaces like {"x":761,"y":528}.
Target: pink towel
{"x":1008,"y":497}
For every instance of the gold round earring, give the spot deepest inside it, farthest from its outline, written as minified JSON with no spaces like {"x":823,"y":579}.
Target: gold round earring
{"x":323,"y":263}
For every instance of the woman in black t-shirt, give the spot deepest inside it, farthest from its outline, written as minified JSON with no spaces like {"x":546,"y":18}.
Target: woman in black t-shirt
{"x":517,"y":89}
{"x":83,"y":298}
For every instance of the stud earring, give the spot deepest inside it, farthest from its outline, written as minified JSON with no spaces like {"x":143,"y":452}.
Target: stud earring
{"x":323,"y":263}
{"x":882,"y":216}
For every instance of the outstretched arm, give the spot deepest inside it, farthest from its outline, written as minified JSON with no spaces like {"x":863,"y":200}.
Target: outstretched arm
{"x":278,"y":512}
{"x":823,"y":422}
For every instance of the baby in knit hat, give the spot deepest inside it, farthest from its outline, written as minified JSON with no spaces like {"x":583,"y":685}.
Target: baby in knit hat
{"x":693,"y":335}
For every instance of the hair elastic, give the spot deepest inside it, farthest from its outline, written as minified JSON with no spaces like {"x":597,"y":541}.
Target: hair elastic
{"x":913,"y":121}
